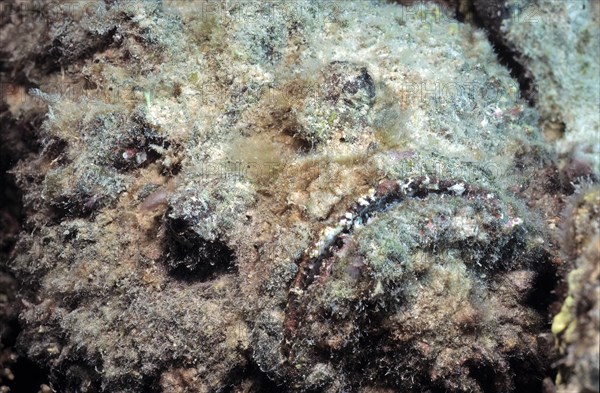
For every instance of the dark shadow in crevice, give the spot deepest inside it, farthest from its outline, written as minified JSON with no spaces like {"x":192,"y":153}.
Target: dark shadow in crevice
{"x":70,"y":377}
{"x":528,"y":378}
{"x":192,"y":258}
{"x":543,"y":295}
{"x":28,"y":375}
{"x":485,"y":375}
{"x":489,"y":15}
{"x":16,"y":142}
{"x":57,"y":55}
{"x":251,"y":372}
{"x":18,"y":139}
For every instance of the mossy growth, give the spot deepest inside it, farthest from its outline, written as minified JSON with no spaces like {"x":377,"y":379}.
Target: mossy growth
{"x":386,"y":245}
{"x":259,"y":157}
{"x":390,"y":119}
{"x":339,"y":106}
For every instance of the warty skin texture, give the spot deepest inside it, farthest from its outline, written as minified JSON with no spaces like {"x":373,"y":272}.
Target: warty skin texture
{"x":345,"y":203}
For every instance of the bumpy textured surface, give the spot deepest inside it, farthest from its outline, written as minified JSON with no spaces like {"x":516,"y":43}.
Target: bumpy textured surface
{"x":577,"y":326}
{"x":558,"y":43}
{"x":300,"y":196}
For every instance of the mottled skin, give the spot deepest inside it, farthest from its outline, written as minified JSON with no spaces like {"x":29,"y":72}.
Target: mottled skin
{"x":262,"y":197}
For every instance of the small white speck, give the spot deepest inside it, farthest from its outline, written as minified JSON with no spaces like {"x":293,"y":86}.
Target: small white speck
{"x":141,"y":157}
{"x":458,"y":189}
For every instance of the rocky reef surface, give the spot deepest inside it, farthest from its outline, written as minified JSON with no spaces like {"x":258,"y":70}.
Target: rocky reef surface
{"x":305,"y":196}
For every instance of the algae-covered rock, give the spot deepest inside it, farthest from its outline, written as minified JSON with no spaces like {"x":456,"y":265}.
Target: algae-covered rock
{"x":291,"y":196}
{"x":577,"y":325}
{"x":557,"y":43}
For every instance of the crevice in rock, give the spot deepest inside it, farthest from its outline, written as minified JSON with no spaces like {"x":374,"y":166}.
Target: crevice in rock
{"x":16,"y":142}
{"x":485,"y":375}
{"x":18,"y":139}
{"x":260,"y":382}
{"x":489,"y":15}
{"x":57,"y":54}
{"x":543,"y":293}
{"x":28,"y":376}
{"x":192,"y":258}
{"x":528,"y":377}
